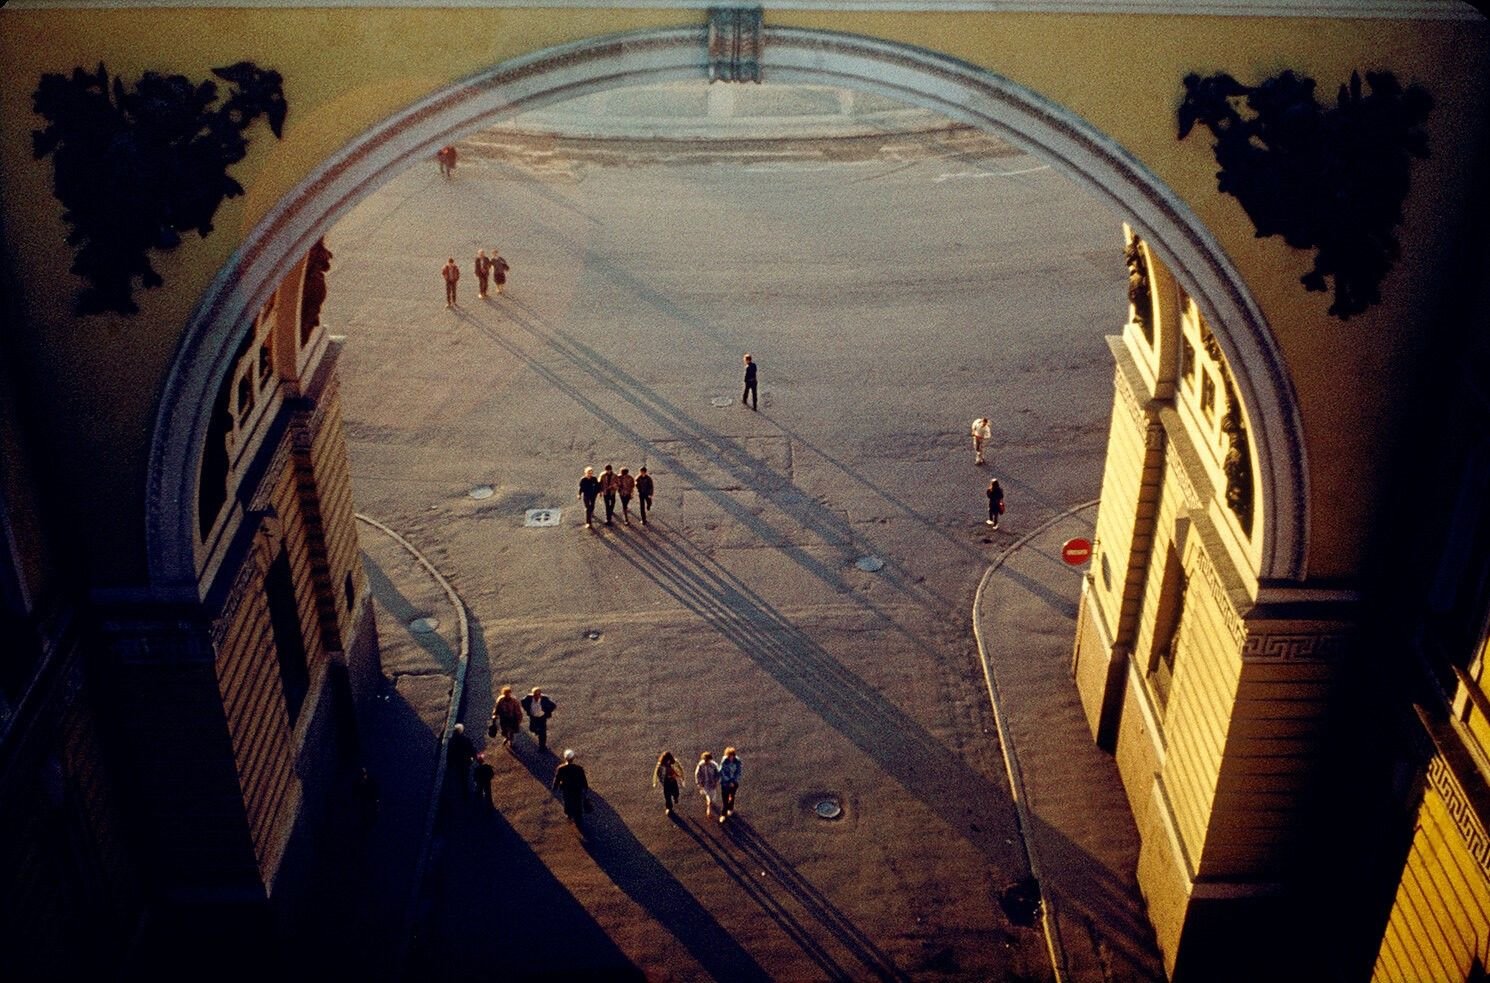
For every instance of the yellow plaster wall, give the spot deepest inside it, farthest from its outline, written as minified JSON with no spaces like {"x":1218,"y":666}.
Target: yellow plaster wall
{"x":346,"y":69}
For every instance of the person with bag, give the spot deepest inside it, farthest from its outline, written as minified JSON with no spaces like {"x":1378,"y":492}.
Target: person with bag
{"x":995,"y":502}
{"x":506,"y":717}
{"x":669,"y":774}
{"x":706,"y":778}
{"x":499,"y":268}
{"x":570,"y":780}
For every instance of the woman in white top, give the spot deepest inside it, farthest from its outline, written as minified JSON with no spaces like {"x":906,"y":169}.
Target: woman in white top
{"x":706,"y":777}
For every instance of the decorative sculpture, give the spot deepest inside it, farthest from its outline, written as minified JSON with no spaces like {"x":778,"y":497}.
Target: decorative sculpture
{"x":1139,"y":294}
{"x":1328,"y":179}
{"x":136,"y":166}
{"x":735,"y":44}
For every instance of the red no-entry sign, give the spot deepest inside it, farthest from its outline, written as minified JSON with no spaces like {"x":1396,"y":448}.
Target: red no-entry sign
{"x":1076,"y":551}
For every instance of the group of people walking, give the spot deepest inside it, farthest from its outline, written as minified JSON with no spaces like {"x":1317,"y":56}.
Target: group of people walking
{"x":610,"y":487}
{"x":717,"y":781}
{"x":491,"y":274}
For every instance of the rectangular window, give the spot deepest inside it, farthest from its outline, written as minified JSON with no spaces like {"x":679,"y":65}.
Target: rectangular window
{"x":289,"y":642}
{"x":1166,"y":629}
{"x":1187,"y":360}
{"x":1208,"y":395}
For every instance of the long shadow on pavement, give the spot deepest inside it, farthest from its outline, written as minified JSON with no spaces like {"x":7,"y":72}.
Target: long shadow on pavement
{"x":498,"y":910}
{"x":966,"y":800}
{"x":644,"y":878}
{"x":802,"y":894}
{"x":1109,"y":910}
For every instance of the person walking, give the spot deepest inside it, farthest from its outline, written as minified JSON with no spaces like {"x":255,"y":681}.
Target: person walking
{"x":589,"y":490}
{"x":995,"y":502}
{"x":730,"y":770}
{"x":483,"y":273}
{"x":608,"y":486}
{"x":458,"y":755}
{"x":445,"y":156}
{"x":451,"y":273}
{"x":499,"y":268}
{"x":750,"y":383}
{"x":484,"y":773}
{"x":625,"y":487}
{"x":668,"y":774}
{"x":982,"y":431}
{"x":570,"y":780}
{"x":644,"y":488}
{"x":507,"y":717}
{"x":706,"y":778}
{"x":539,"y":708}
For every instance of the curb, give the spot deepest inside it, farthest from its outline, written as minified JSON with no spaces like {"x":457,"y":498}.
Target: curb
{"x":457,"y":694}
{"x":1053,"y":943}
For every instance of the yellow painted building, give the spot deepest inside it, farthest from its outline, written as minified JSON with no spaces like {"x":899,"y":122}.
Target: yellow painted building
{"x":178,"y":519}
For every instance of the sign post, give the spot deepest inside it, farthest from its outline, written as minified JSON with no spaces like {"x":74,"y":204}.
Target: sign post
{"x":1076,"y":551}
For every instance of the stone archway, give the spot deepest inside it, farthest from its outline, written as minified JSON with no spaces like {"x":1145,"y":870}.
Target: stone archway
{"x":961,"y":91}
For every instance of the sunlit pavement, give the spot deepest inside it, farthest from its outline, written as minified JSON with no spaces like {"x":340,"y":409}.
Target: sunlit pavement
{"x":805,"y":591}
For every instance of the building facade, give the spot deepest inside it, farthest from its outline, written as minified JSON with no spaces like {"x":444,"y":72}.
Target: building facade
{"x":180,"y":563}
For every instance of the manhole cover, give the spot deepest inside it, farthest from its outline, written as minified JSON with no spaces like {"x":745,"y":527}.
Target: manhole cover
{"x":481,"y":492}
{"x":723,"y":401}
{"x":870,"y":564}
{"x":424,"y":626}
{"x":540,"y":518}
{"x":828,"y":809}
{"x":593,"y":634}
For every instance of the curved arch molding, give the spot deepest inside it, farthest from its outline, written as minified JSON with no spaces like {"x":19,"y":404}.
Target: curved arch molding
{"x":920,"y":78}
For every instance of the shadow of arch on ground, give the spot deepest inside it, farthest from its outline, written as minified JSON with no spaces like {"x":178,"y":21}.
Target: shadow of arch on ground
{"x":961,"y":91}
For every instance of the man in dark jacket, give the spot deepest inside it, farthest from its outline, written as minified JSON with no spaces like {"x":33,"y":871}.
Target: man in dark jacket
{"x":570,"y":779}
{"x":589,"y":490}
{"x":644,"y":493}
{"x":539,"y":708}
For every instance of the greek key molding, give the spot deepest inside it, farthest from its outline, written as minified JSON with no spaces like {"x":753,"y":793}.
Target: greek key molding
{"x":1294,"y":647}
{"x":1442,"y":781}
{"x":1218,"y":597}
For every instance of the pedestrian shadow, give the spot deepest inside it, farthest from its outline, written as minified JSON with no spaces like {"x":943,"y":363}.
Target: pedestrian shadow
{"x":966,"y":800}
{"x":644,"y":879}
{"x":402,"y":611}
{"x":498,"y":912}
{"x":745,"y":469}
{"x":1109,"y":908}
{"x":759,"y":855}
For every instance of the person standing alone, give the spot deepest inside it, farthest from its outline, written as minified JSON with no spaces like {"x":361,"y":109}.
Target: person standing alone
{"x":750,"y":393}
{"x":451,"y":273}
{"x":982,"y":431}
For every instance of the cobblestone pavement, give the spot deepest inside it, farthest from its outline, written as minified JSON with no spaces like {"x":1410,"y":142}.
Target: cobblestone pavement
{"x":806,"y":587}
